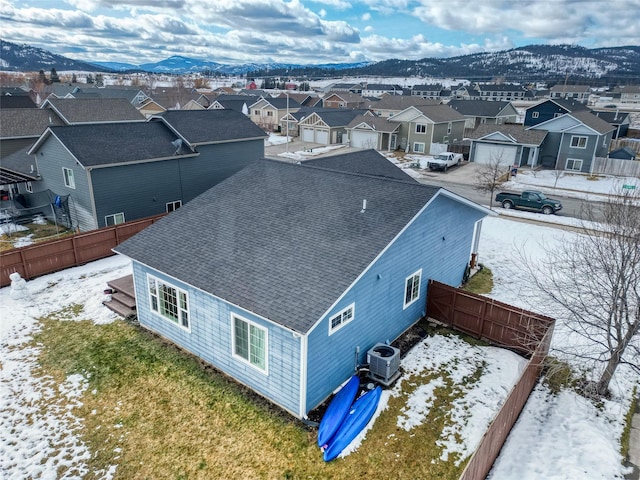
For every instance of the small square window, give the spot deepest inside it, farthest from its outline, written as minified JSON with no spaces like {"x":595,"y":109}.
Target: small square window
{"x":421,"y":128}
{"x":341,"y":318}
{"x":171,"y":206}
{"x":578,"y":141}
{"x":418,"y":147}
{"x":535,"y":114}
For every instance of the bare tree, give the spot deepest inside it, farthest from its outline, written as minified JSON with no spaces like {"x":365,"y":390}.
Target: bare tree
{"x":593,"y":284}
{"x":557,"y":175}
{"x":491,"y":176}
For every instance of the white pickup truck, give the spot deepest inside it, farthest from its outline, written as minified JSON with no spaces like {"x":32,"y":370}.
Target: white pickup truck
{"x":444,"y":160}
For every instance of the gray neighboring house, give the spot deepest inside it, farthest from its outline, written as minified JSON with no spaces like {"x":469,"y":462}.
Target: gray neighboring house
{"x":428,"y":129}
{"x":478,"y":112}
{"x":574,"y":140}
{"x":327,"y":126}
{"x":239,"y":103}
{"x":370,"y":131}
{"x":509,"y":144}
{"x":115,"y":172}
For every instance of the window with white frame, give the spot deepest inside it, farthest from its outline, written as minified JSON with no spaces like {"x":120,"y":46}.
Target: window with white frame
{"x":578,"y":141}
{"x":449,"y":127}
{"x":250,"y":342}
{"x":28,"y":187}
{"x":269,"y":113}
{"x":535,"y":114}
{"x":171,"y":206}
{"x":574,"y":164}
{"x":341,"y":318}
{"x":114,"y":219}
{"x":418,"y":147}
{"x":421,"y":128}
{"x":169,"y":302}
{"x":257,"y":113}
{"x":412,"y":288}
{"x":69,"y":181}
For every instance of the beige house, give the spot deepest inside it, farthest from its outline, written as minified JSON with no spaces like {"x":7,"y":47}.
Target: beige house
{"x":267,"y":112}
{"x":344,"y":100}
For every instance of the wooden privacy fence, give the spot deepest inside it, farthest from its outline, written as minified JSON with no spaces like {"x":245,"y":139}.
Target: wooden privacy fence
{"x":616,"y":167}
{"x":505,"y":326}
{"x":54,"y":255}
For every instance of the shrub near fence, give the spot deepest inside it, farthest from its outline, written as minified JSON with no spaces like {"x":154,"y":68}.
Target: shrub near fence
{"x":505,"y":326}
{"x":54,"y":255}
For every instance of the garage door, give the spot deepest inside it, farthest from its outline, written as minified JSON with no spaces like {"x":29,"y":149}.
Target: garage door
{"x":486,"y":153}
{"x":307,"y":135}
{"x":364,"y":139}
{"x":322,"y":137}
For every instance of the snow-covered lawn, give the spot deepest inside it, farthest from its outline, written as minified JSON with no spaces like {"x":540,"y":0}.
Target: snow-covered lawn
{"x":557,"y":437}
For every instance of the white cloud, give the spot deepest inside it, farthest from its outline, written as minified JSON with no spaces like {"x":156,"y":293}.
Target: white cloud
{"x":366,"y":17}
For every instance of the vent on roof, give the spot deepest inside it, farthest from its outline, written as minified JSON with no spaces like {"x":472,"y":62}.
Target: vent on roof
{"x":384,"y":363}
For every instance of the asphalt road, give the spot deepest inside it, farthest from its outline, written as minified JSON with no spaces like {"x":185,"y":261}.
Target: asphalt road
{"x":462,"y":183}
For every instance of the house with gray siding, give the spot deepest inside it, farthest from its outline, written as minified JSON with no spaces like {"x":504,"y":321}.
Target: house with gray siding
{"x":308,"y":268}
{"x":428,"y":128}
{"x":115,"y":172}
{"x":574,"y":140}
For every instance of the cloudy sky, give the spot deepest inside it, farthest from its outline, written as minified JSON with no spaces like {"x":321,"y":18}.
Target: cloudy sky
{"x":310,"y":31}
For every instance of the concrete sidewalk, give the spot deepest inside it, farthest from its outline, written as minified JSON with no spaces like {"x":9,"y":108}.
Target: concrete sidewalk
{"x":634,"y":446}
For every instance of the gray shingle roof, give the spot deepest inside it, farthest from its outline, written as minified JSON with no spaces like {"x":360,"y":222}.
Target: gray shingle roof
{"x":363,"y":162}
{"x":590,"y":120}
{"x":479,"y":108}
{"x":17,"y":167}
{"x":281,"y":240}
{"x":440,"y":113}
{"x":111,"y":143}
{"x":338,"y":117}
{"x":26,"y":122}
{"x":211,"y":126}
{"x":94,"y":110}
{"x":518,"y":132}
{"x":400,"y":102}
{"x":379,"y":124}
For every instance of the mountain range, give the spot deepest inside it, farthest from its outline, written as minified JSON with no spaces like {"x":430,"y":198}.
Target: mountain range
{"x":534,"y":62}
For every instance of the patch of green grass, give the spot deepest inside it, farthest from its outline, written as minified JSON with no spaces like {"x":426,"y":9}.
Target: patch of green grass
{"x":626,"y":433}
{"x":155,"y":412}
{"x":481,"y":282}
{"x":558,"y":375}
{"x":38,"y":232}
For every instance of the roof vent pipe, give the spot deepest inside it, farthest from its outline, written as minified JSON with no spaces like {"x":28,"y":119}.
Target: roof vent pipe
{"x":364,"y":205}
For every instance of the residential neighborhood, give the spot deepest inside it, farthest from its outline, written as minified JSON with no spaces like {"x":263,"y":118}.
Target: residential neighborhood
{"x":295,"y":231}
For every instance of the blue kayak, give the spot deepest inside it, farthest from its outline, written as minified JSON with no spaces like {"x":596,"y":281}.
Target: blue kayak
{"x":337,"y":410}
{"x":359,"y":415}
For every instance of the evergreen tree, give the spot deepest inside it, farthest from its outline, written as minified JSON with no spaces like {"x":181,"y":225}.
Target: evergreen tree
{"x":54,"y":76}
{"x":99,"y":80}
{"x":74,"y":79}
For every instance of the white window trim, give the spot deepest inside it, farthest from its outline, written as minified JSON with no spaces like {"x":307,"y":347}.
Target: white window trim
{"x":174,"y":203}
{"x":114,"y":219}
{"x":404,"y":290}
{"x":566,"y":165}
{"x":240,"y":358}
{"x":178,"y":323}
{"x":69,"y":178}
{"x":449,"y":128}
{"x":421,"y":126}
{"x":415,"y":150}
{"x":28,"y":187}
{"x":342,"y":323}
{"x":535,"y":114}
{"x":578,"y":137}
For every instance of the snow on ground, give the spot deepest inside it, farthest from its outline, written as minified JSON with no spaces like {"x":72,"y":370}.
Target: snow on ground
{"x":557,"y":436}
{"x":39,"y":436}
{"x":571,"y":184}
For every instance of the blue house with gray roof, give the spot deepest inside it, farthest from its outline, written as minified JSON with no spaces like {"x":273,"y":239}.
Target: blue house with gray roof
{"x":115,"y":172}
{"x":303,"y":269}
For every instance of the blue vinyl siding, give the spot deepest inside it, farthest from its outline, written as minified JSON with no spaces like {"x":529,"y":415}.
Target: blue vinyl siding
{"x":51,"y":158}
{"x":210,"y":338}
{"x":438,"y":242}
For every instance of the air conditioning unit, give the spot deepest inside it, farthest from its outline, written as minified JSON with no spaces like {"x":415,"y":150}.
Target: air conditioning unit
{"x":384,"y":363}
